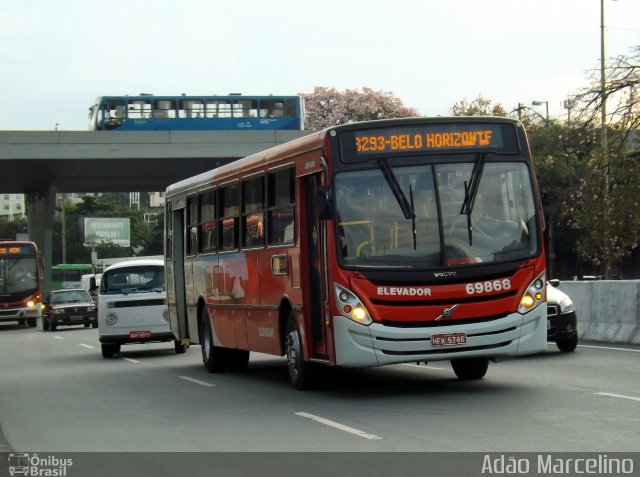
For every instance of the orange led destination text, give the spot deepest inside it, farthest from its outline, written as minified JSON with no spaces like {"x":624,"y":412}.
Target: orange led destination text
{"x":406,"y":142}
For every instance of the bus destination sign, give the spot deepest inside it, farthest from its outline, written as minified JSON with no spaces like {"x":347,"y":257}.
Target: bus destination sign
{"x":430,"y":138}
{"x":16,"y":250}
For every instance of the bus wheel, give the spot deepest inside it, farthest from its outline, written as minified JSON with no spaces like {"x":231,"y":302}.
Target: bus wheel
{"x":32,"y":322}
{"x":45,"y":324}
{"x":301,"y":372}
{"x":213,"y":357}
{"x":238,"y":359}
{"x":470,"y":368}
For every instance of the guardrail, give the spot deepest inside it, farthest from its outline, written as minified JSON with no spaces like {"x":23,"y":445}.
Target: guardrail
{"x":607,"y":310}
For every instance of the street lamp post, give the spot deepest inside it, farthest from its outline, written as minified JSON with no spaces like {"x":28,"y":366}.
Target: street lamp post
{"x":540,"y":103}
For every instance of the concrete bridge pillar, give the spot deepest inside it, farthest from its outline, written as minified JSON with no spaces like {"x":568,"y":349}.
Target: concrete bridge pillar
{"x":40,"y":206}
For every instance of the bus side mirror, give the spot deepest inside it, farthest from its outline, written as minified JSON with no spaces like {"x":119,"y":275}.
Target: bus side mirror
{"x":324,"y":202}
{"x":92,"y":283}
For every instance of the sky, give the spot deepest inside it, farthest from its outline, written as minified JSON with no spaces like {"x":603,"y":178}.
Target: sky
{"x":56,"y":57}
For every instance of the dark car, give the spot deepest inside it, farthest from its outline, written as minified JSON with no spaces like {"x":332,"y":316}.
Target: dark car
{"x":562,"y":324}
{"x":69,"y":307}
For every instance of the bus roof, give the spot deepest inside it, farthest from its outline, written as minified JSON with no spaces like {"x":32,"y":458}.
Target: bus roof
{"x":262,"y":158}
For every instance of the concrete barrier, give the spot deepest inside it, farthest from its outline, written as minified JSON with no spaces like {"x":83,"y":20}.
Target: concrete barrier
{"x":607,"y":310}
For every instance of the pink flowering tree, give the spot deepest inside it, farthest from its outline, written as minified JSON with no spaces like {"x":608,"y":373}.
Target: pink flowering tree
{"x":327,"y":107}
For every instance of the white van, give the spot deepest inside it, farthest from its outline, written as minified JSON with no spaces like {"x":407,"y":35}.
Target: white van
{"x":132,"y":306}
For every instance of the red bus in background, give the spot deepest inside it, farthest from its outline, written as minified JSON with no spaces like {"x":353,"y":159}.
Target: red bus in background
{"x":20,"y":282}
{"x":366,"y":244}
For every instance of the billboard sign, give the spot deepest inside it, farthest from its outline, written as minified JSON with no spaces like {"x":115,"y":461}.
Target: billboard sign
{"x":107,"y":230}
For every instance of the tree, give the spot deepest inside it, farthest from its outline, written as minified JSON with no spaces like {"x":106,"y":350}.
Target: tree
{"x":478,"y":107}
{"x":606,"y":196}
{"x":148,"y":236}
{"x":327,"y":107}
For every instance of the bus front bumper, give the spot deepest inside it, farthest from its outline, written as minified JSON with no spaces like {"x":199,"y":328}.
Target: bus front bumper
{"x":357,"y":345}
{"x":18,"y":314}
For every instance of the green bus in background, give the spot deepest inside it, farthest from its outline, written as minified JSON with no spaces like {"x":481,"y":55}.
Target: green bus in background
{"x":69,"y":275}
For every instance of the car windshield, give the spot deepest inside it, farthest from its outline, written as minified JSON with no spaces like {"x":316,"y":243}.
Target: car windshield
{"x":134,"y":279}
{"x":427,"y":223}
{"x":71,"y":296}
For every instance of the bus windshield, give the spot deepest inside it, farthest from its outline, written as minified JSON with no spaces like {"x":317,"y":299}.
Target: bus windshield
{"x":18,"y":275}
{"x":428,"y":223}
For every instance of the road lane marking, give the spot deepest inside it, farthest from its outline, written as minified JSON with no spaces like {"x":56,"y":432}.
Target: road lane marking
{"x":620,"y":396}
{"x":86,"y":346}
{"x":339,"y":426}
{"x":58,"y":337}
{"x":131,"y":360}
{"x":197,"y":381}
{"x":610,"y":347}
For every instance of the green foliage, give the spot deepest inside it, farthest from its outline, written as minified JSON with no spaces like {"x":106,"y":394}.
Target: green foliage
{"x":147,"y":236}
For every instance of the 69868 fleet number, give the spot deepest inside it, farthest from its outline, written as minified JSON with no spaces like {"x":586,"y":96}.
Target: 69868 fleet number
{"x":488,"y":286}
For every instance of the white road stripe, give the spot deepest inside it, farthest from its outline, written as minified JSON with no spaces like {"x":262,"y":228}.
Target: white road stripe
{"x":131,"y":360}
{"x":58,"y":337}
{"x":610,"y":347}
{"x":620,"y":396}
{"x":197,"y":381}
{"x":86,"y":346}
{"x":339,"y":426}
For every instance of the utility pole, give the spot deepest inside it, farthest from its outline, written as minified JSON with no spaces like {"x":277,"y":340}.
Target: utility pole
{"x":604,"y":142}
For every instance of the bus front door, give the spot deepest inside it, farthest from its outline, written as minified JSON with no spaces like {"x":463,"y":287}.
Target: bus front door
{"x":314,"y":281}
{"x":176,"y":296}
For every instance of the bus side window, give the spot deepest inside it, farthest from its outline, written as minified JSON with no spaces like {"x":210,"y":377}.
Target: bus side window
{"x":253,"y":212}
{"x":192,"y":226}
{"x":207,"y":225}
{"x":281,"y":207}
{"x":229,"y":212}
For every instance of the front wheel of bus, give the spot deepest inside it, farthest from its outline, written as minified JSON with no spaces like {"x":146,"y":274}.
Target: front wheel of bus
{"x":213,"y":356}
{"x":301,"y":372}
{"x":470,"y":368}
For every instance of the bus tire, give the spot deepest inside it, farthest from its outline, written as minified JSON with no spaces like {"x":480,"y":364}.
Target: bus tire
{"x":238,"y":360}
{"x":470,"y":368}
{"x":45,"y":324}
{"x":32,"y":322}
{"x":213,"y":357}
{"x":301,"y":373}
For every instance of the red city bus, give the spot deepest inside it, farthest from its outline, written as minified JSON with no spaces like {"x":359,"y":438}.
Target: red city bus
{"x":366,"y":244}
{"x":20,"y":282}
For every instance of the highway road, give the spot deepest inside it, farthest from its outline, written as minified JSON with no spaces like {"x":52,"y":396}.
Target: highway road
{"x":58,"y":395}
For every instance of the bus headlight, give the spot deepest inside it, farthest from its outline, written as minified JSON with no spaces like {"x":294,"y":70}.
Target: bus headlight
{"x":31,"y":303}
{"x":350,"y":306}
{"x":534,"y":295}
{"x":111,"y":319}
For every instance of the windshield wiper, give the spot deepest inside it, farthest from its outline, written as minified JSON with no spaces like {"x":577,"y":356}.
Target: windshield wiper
{"x":406,"y":206}
{"x":471,"y":191}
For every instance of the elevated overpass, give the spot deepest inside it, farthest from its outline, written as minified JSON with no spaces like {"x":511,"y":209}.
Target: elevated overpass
{"x":41,"y":164}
